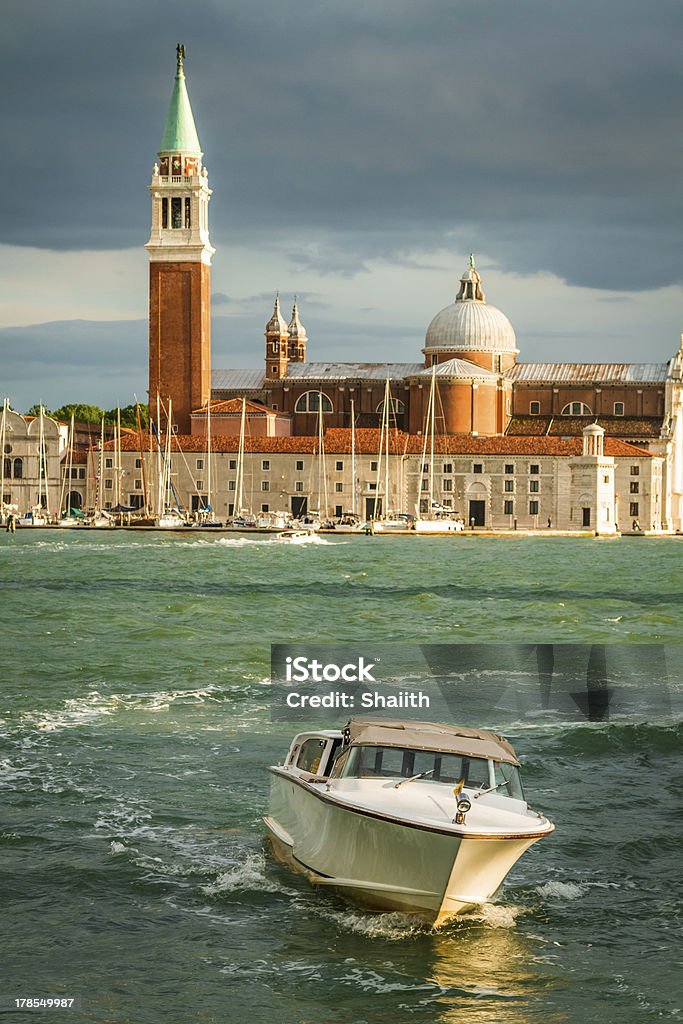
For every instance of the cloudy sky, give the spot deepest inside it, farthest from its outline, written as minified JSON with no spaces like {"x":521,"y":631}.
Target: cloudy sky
{"x":358,"y":150}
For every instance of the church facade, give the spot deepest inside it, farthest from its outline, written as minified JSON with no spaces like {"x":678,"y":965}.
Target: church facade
{"x":487,"y":400}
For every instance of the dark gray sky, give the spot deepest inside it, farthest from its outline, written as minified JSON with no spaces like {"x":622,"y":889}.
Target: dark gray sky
{"x":357,"y":152}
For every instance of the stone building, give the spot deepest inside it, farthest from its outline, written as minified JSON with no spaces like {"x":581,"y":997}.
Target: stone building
{"x":492,"y":410}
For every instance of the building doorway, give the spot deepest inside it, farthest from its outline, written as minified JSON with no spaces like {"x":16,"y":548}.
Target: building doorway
{"x":477,"y":515}
{"x":373,"y":508}
{"x":586,"y":516}
{"x":299,"y":505}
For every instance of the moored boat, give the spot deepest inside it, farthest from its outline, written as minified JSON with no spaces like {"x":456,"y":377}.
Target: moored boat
{"x":419,"y":817}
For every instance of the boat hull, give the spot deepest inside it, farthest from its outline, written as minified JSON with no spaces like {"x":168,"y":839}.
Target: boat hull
{"x":382,"y":863}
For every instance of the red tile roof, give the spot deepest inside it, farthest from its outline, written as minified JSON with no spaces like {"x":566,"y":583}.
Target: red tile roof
{"x":233,"y":406}
{"x":338,"y":442}
{"x":563,"y":426}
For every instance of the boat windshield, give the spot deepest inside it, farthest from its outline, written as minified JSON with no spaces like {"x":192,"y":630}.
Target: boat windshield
{"x":508,"y":782}
{"x":366,"y":762}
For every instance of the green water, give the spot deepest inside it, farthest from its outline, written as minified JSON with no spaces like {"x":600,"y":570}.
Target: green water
{"x":135,"y":734}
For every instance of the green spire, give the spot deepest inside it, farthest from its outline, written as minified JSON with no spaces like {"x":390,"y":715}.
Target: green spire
{"x":180,"y":134}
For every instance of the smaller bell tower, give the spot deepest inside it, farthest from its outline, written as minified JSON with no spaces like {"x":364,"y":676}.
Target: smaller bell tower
{"x":277,"y":344}
{"x":180,"y":265}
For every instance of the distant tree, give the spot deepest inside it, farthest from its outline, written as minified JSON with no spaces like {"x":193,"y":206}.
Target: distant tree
{"x":81,"y":412}
{"x":35,"y":410}
{"x":129,"y":416}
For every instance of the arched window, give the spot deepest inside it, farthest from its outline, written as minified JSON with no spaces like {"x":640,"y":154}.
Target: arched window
{"x":18,"y":469}
{"x":576,"y":409}
{"x":396,"y":407}
{"x":313,"y":401}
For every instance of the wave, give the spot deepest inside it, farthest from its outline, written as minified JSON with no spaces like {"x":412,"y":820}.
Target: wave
{"x":250,"y":875}
{"x":561,"y":890}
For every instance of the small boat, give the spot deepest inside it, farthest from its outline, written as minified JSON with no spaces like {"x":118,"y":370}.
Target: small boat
{"x":297,"y":536}
{"x":419,"y":817}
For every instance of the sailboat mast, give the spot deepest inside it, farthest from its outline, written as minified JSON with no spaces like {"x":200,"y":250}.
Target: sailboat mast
{"x":3,"y":431}
{"x":387,"y":408}
{"x":432,"y":403}
{"x":142,"y":455}
{"x":353,"y":460}
{"x":117,"y":445}
{"x":239,"y":481}
{"x":208,"y":455}
{"x":42,"y":467}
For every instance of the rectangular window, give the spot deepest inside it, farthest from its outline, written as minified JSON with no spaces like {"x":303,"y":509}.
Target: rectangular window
{"x":534,"y":408}
{"x":299,"y":486}
{"x":164,"y":213}
{"x":605,"y":479}
{"x":478,"y":467}
{"x":634,"y":508}
{"x":509,"y":485}
{"x":425,"y":467}
{"x":635,"y":487}
{"x":425,"y":485}
{"x":448,"y":467}
{"x":231,"y":485}
{"x":108,"y":463}
{"x":265,"y":485}
{"x":188,"y":213}
{"x":108,"y":485}
{"x":339,"y":487}
{"x":107,"y":504}
{"x":74,"y":473}
{"x":534,"y":486}
{"x":265,"y":465}
{"x":138,"y":485}
{"x":339,"y":466}
{"x":447,"y":503}
{"x":299,"y":465}
{"x":618,"y":408}
{"x":509,"y":468}
{"x":534,"y":470}
{"x":81,"y":474}
{"x":265,"y":508}
{"x":448,"y":485}
{"x":199,"y":485}
{"x":232,"y":464}
{"x":533,"y":508}
{"x":338,"y":510}
{"x":135,"y":500}
{"x":138,"y":463}
{"x":176,"y":212}
{"x":635,"y":470}
{"x":373,"y":467}
{"x":508,"y":507}
{"x":200,"y":463}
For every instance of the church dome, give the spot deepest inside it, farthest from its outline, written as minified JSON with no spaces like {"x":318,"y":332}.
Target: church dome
{"x":469,"y":324}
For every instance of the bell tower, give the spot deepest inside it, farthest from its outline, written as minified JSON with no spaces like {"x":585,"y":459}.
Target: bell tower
{"x":180,"y":265}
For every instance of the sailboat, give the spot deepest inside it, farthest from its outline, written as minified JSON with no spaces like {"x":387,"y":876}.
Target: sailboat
{"x":36,"y":516}
{"x":243,"y":520}
{"x":207,"y":516}
{"x":385,"y":520}
{"x":68,"y":516}
{"x":436,"y":519}
{"x":169,"y":515}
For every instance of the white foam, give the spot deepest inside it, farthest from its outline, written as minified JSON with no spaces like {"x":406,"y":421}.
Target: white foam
{"x":117,"y":848}
{"x":250,"y":874}
{"x":497,"y":915}
{"x":561,"y":890}
{"x":392,"y":926}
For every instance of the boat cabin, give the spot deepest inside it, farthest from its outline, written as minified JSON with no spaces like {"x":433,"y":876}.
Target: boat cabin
{"x":397,"y":750}
{"x":314,"y":753}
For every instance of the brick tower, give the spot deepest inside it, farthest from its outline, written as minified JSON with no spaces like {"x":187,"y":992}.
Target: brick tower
{"x":180,"y":267}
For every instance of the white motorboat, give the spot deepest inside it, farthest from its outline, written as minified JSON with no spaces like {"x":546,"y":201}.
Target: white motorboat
{"x":419,"y":817}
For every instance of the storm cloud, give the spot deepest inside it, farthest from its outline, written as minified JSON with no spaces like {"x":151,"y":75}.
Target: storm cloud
{"x":546,"y":134}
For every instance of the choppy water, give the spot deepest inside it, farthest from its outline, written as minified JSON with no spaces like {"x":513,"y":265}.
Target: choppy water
{"x":134,"y":736}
